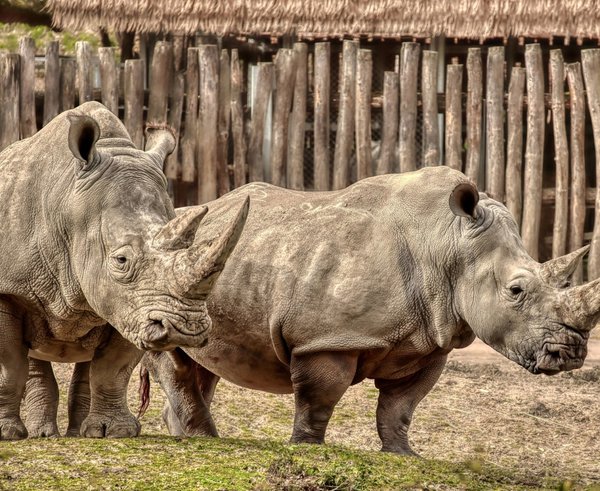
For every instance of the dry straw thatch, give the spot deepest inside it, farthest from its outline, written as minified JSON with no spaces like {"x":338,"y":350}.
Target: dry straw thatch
{"x":470,"y":19}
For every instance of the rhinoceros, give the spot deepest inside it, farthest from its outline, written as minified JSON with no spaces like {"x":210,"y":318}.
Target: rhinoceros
{"x":380,"y":280}
{"x":90,"y":237}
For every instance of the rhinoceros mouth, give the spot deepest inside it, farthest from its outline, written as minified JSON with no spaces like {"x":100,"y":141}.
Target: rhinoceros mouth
{"x":164,"y":332}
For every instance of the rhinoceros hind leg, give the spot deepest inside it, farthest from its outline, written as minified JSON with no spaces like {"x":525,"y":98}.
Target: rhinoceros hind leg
{"x":397,"y":402}
{"x":110,"y":371}
{"x":41,"y":400}
{"x":171,"y":420}
{"x":79,"y":398}
{"x":319,"y":381}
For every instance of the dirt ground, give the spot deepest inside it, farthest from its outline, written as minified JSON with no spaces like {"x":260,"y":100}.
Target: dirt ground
{"x":484,"y":409}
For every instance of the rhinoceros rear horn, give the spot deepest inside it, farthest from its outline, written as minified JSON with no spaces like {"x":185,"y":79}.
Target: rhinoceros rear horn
{"x":180,"y":232}
{"x":464,"y":199}
{"x":83,"y":135}
{"x":557,"y":272}
{"x":207,"y":259}
{"x":160,"y":142}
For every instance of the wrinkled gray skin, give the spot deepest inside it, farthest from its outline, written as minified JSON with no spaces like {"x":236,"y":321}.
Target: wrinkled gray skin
{"x":91,"y":237}
{"x":380,"y":280}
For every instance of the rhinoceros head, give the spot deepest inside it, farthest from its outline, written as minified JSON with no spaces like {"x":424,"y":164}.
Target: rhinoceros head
{"x":140,"y":267}
{"x":527,"y":311}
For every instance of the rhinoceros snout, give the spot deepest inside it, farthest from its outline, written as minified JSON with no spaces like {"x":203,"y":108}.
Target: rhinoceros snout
{"x":163,"y":332}
{"x":562,"y":356}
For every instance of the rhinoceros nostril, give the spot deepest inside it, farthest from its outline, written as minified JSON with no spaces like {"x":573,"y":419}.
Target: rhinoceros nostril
{"x":156,"y":332}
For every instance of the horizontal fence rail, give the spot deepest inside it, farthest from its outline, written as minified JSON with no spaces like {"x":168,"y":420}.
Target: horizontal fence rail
{"x":311,"y":120}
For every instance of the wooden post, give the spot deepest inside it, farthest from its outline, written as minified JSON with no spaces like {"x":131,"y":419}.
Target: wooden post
{"x":494,"y":179}
{"x":577,"y":210}
{"x":561,"y":151}
{"x":51,"y":82}
{"x":68,"y":71}
{"x":27,"y":88}
{"x":285,"y":72}
{"x":188,"y":143}
{"x":453,"y":154}
{"x":9,"y":99}
{"x":514,"y":144}
{"x":264,"y":86}
{"x":207,"y":128}
{"x":591,"y":71}
{"x":223,"y":123}
{"x":134,"y":101}
{"x":173,"y":164}
{"x":409,"y":67}
{"x":237,"y":122}
{"x":84,"y":71}
{"x":474,"y":103}
{"x":534,"y":150}
{"x":389,"y":137}
{"x":321,"y":124}
{"x":345,"y":121}
{"x":364,"y":71}
{"x":109,"y":79}
{"x":295,"y":168}
{"x":161,"y":73}
{"x":429,"y":94}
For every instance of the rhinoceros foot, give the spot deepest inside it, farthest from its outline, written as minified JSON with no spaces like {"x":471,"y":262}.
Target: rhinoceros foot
{"x":120,"y":425}
{"x":400,"y":450}
{"x":12,"y":429}
{"x":43,"y":429}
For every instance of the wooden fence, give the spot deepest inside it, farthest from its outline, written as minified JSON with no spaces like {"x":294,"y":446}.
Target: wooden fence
{"x":241,"y":123}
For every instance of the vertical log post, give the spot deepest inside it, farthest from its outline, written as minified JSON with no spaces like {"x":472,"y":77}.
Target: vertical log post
{"x":264,"y":87}
{"x":321,"y":124}
{"x":577,"y":210}
{"x":431,"y":136}
{"x":134,"y":101}
{"x":409,"y":67}
{"x":51,"y":82}
{"x":345,"y":119}
{"x":285,"y":73}
{"x":9,"y":99}
{"x":160,"y":74}
{"x":561,"y":152}
{"x":27,"y":87}
{"x":84,"y":71}
{"x":474,"y":104}
{"x":188,"y":143}
{"x":494,"y":179}
{"x":173,"y":163}
{"x":223,"y":123}
{"x":453,"y":137}
{"x":237,"y":122}
{"x":514,"y":144}
{"x":364,"y":72}
{"x":207,"y":128}
{"x":591,"y":71}
{"x":534,"y":150}
{"x":389,"y":137}
{"x":68,"y":72}
{"x":109,"y":79}
{"x":295,"y":176}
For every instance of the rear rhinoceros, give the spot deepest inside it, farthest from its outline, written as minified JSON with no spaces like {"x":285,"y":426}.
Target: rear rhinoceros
{"x":90,"y":237}
{"x":380,"y":280}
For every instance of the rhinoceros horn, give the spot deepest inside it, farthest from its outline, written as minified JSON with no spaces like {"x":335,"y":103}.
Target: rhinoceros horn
{"x":197,"y":268}
{"x":160,"y":142}
{"x":557,"y":272}
{"x":581,"y":306}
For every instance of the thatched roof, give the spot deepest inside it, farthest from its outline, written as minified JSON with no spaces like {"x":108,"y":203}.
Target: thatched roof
{"x":472,"y":19}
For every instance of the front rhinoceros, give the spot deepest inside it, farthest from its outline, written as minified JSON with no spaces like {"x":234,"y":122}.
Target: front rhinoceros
{"x":380,"y":280}
{"x":90,"y":237}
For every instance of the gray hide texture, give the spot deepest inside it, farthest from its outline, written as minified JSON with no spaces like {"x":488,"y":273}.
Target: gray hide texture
{"x":89,"y":237}
{"x":380,"y":280}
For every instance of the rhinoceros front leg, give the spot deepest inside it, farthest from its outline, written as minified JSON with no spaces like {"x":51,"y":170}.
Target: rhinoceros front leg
{"x":397,"y":402}
{"x":41,"y":400}
{"x":110,"y":371}
{"x":189,"y":388}
{"x":79,"y":397}
{"x":319,"y":381}
{"x":13,"y":372}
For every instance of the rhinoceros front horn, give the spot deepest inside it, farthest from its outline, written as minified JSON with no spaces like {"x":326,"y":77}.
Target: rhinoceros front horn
{"x":200,"y":265}
{"x":581,"y":306}
{"x":557,"y":272}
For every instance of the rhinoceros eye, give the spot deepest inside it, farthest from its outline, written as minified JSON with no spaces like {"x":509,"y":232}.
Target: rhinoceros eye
{"x":516,"y":290}
{"x":121,"y":259}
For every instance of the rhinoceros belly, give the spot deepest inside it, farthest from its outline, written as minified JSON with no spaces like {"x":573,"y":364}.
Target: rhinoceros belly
{"x":64,"y":352}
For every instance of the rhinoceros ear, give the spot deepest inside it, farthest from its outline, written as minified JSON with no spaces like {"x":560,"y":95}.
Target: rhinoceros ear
{"x":83,"y":135}
{"x":160,"y":142}
{"x":464,"y":199}
{"x":180,"y":232}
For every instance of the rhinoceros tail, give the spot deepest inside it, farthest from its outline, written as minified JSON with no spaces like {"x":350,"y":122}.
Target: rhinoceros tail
{"x":144,"y":390}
